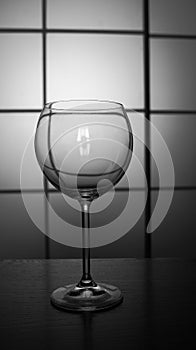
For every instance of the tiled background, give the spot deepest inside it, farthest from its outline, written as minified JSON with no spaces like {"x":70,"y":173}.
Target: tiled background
{"x":62,"y":49}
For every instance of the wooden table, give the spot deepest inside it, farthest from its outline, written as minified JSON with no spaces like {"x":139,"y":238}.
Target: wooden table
{"x":158,"y":311}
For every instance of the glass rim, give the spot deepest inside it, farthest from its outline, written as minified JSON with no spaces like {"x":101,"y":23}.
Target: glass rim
{"x":112,"y":105}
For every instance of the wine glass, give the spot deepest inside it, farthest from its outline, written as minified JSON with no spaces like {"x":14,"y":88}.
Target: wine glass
{"x":84,"y":148}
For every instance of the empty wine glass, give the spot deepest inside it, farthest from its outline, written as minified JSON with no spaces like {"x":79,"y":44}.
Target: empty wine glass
{"x":84,"y":148}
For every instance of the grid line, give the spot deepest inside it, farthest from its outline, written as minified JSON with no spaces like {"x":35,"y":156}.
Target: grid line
{"x":147,"y":160}
{"x":99,"y":31}
{"x":71,"y":31}
{"x":172,"y":36}
{"x":118,"y":189}
{"x":44,"y":78}
{"x":139,"y":110}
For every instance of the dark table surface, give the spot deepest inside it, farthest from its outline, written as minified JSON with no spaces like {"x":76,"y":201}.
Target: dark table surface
{"x":158,"y":311}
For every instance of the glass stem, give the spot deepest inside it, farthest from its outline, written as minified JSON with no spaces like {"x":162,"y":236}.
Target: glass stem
{"x":86,"y":280}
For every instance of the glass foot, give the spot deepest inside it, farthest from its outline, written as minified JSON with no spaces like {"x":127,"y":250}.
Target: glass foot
{"x":93,"y":298}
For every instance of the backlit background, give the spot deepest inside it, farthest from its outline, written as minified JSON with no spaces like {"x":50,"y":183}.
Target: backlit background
{"x":138,"y":52}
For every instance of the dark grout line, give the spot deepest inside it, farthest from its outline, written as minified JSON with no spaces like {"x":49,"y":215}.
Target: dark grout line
{"x":20,"y":30}
{"x":15,"y":110}
{"x":71,"y":30}
{"x":44,"y":49}
{"x":172,"y":36}
{"x":44,"y":78}
{"x":119,"y":189}
{"x":139,"y":110}
{"x":147,"y":159}
{"x":172,"y":111}
{"x":98,"y":31}
{"x":95,"y":31}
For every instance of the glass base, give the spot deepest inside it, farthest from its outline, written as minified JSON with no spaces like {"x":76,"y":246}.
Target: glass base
{"x":93,"y":298}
